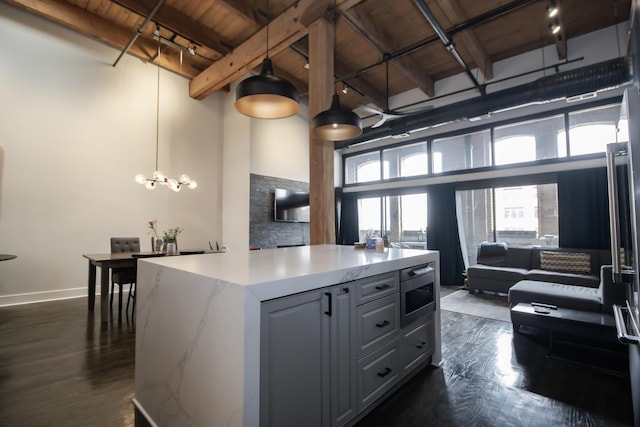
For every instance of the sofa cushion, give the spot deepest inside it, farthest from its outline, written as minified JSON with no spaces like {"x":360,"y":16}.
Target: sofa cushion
{"x":492,"y":253}
{"x":497,"y":273}
{"x":568,"y":262}
{"x":561,"y":295}
{"x":519,"y":257}
{"x":587,"y":280}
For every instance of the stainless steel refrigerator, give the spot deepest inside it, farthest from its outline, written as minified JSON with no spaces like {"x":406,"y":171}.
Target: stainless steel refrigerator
{"x":623,"y":167}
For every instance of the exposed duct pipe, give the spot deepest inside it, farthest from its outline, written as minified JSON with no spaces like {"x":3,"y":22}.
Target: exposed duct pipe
{"x":139,"y":31}
{"x":448,"y":42}
{"x":592,"y":78}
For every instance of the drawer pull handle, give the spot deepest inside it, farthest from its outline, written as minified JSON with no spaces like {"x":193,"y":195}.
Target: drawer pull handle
{"x":330,"y":302}
{"x":421,"y":345}
{"x":381,"y":287}
{"x":384,"y":373}
{"x":382,"y":324}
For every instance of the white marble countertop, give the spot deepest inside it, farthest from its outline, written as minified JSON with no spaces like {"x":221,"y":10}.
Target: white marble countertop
{"x":199,"y":324}
{"x":273,"y":273}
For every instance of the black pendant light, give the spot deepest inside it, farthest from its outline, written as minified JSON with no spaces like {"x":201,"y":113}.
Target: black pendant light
{"x":336,"y":123}
{"x":267,"y":96}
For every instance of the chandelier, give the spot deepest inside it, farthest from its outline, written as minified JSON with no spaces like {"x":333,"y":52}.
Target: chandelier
{"x":158,"y":177}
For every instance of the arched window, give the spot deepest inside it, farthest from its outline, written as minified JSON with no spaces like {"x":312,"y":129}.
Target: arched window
{"x":515,"y":149}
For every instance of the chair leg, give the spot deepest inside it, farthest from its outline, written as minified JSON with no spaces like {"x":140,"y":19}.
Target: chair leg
{"x":120,"y":300}
{"x":132,"y":295}
{"x":111,"y":296}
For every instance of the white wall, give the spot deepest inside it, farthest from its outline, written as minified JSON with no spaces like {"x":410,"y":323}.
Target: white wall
{"x":280,"y":148}
{"x":75,"y":131}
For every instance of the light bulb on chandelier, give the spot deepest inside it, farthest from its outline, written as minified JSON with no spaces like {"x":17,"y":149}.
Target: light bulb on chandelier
{"x":158,"y":177}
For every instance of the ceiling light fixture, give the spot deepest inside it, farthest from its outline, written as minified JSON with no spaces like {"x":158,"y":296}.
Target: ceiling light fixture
{"x":267,"y":96}
{"x":158,"y":177}
{"x":555,"y":28}
{"x":336,"y":123}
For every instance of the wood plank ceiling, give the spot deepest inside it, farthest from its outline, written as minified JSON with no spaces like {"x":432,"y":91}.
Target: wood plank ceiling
{"x":228,"y":37}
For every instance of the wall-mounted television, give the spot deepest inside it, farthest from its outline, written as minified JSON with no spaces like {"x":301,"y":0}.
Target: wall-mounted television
{"x":290,"y":206}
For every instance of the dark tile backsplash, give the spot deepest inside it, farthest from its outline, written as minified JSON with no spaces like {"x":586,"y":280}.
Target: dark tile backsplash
{"x":264,"y":232}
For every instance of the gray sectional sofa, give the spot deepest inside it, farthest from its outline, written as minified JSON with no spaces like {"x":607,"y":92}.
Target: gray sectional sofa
{"x":574,"y":285}
{"x":500,"y":266}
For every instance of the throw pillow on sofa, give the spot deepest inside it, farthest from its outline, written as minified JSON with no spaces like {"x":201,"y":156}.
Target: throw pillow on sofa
{"x":567,"y":262}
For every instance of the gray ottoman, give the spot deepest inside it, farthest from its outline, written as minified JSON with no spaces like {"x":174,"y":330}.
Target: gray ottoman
{"x":565,"y":296}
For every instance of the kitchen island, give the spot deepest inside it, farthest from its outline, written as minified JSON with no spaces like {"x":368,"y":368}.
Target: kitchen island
{"x":198,"y":324}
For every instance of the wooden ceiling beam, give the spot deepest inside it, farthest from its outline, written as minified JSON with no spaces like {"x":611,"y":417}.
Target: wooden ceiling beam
{"x":383,"y":42}
{"x":179,"y":23}
{"x":284,"y":30}
{"x":88,"y":24}
{"x":454,"y":11}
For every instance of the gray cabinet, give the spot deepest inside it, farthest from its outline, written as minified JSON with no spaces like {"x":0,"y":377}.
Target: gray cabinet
{"x":294,"y":360}
{"x":307,"y":360}
{"x":329,"y":354}
{"x":418,"y":343}
{"x":343,"y":353}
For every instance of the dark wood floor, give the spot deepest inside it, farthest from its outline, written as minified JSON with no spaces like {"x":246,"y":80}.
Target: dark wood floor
{"x":58,"y":367}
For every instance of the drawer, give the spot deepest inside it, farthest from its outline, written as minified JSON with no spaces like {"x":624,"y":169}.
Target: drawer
{"x":377,"y":373}
{"x":418,"y":343}
{"x":377,"y":323}
{"x":375,"y":287}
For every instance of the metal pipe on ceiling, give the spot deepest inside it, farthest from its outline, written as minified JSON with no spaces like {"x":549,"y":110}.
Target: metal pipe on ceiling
{"x":139,"y":31}
{"x":448,"y":43}
{"x":591,"y":78}
{"x":482,"y":19}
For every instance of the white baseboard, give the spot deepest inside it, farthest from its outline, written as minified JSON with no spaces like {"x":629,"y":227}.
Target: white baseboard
{"x":33,"y":297}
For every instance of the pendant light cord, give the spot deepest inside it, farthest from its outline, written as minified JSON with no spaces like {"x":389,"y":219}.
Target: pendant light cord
{"x":335,"y":42}
{"x":268,"y":22}
{"x":158,"y":102}
{"x":157,"y":117}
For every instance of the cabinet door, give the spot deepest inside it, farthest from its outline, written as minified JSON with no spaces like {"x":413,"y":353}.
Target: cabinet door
{"x":294,"y":361}
{"x":418,"y":343}
{"x":343,"y":356}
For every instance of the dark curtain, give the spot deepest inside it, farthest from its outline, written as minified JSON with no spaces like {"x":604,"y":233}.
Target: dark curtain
{"x":442,"y":232}
{"x":348,"y":232}
{"x":583,"y":215}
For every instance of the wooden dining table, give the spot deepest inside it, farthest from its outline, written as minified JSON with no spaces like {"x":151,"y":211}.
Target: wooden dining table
{"x":116,"y":260}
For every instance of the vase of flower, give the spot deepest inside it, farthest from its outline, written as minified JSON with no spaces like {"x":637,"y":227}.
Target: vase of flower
{"x":170,"y":238}
{"x":157,"y":244}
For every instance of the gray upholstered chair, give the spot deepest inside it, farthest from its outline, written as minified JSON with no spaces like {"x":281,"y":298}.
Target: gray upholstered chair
{"x":123,"y":276}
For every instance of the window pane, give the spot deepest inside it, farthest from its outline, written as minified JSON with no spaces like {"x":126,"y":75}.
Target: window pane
{"x":409,"y":160}
{"x":369,"y":220}
{"x":406,"y":220}
{"x":529,"y":141}
{"x":527,"y":214}
{"x":462,"y":152}
{"x":591,"y":130}
{"x":362,"y":168}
